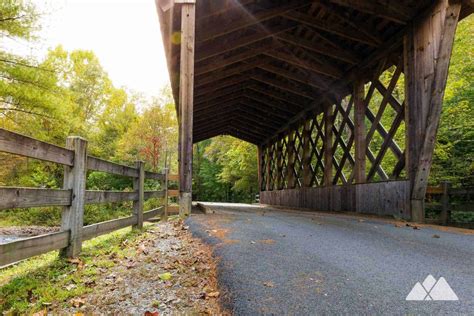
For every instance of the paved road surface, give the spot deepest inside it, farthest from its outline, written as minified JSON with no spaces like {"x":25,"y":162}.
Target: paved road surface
{"x":300,"y":263}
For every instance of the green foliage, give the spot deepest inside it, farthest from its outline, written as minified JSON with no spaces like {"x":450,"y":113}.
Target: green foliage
{"x":454,"y":154}
{"x":26,"y":287}
{"x":225,"y":170}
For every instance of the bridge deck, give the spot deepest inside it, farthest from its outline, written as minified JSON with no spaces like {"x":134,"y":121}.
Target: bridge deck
{"x":287,"y":262}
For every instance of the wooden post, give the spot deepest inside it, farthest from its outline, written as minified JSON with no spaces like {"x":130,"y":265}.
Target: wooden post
{"x":186,"y":91}
{"x":328,"y":123}
{"x":259,"y":167}
{"x":307,"y":172}
{"x":75,"y":180}
{"x":268,"y":169}
{"x":279,"y":177}
{"x":164,"y":217}
{"x":427,"y":52}
{"x":139,"y":187}
{"x":445,"y":185}
{"x":360,"y":132}
{"x":291,"y":160}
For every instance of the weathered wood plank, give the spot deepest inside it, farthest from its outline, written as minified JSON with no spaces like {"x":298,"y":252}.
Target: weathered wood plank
{"x":98,"y":197}
{"x":27,"y":197}
{"x":17,"y":144}
{"x":173,"y":177}
{"x":173,"y":193}
{"x":98,"y":164}
{"x":154,"y":176}
{"x":98,"y":229}
{"x":72,"y":218}
{"x":139,"y":187}
{"x":29,"y":247}
{"x":153,"y":213}
{"x":154,"y":194}
{"x":186,"y":105}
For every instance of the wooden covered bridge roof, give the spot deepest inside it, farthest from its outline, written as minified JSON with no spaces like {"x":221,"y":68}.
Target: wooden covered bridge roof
{"x":262,"y":64}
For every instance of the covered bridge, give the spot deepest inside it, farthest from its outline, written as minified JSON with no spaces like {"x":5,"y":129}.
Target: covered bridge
{"x":342,"y":97}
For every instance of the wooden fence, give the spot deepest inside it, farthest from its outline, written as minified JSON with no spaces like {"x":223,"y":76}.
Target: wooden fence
{"x":74,"y":196}
{"x":446,"y":199}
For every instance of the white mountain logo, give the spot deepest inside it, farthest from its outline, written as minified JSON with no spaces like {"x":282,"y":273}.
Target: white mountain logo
{"x":432,"y":290}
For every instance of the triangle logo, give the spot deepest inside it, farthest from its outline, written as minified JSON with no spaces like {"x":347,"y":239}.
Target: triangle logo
{"x":432,"y":290}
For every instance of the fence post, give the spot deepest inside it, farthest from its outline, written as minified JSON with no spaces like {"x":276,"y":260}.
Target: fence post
{"x":139,"y":187}
{"x":166,"y":202}
{"x":445,"y":185}
{"x":72,"y":218}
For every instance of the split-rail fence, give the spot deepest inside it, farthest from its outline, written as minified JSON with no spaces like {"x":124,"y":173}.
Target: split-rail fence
{"x":73,"y":196}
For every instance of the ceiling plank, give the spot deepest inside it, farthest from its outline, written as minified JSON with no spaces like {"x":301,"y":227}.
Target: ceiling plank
{"x":332,"y":28}
{"x":389,"y":10}
{"x":221,"y":46}
{"x":317,"y":47}
{"x":208,"y":31}
{"x":324,"y":69}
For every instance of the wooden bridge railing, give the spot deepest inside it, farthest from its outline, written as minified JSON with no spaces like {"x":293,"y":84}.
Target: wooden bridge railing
{"x":446,"y":199}
{"x":74,"y":196}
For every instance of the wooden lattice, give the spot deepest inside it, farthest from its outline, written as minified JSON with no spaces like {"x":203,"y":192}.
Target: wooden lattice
{"x":296,"y":158}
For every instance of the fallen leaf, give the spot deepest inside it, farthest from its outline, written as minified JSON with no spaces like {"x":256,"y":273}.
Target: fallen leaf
{"x":77,"y":302}
{"x":269,"y":284}
{"x":147,"y":313}
{"x":166,"y":276}
{"x":213,"y":294}
{"x":436,"y":236}
{"x":76,"y":261}
{"x":42,"y":312}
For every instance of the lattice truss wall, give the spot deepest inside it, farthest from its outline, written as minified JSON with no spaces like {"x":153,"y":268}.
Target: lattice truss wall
{"x":297,"y":157}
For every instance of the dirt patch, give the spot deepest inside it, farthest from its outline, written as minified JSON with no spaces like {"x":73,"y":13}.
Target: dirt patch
{"x":27,"y":231}
{"x":167,"y":272}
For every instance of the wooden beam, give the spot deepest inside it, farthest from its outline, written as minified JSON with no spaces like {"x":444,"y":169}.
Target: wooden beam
{"x":442,"y":55}
{"x":307,"y":78}
{"x":219,"y":62}
{"x":389,"y":10}
{"x":219,"y":46}
{"x":290,"y":173}
{"x":237,"y":69}
{"x":317,"y":47}
{"x":230,"y":81}
{"x":231,"y":24}
{"x":324,"y":69}
{"x":72,"y":218}
{"x":272,"y":94}
{"x":328,"y":136}
{"x":332,"y":28}
{"x":282,"y":86}
{"x":307,"y":170}
{"x":186,"y":99}
{"x":360,"y":132}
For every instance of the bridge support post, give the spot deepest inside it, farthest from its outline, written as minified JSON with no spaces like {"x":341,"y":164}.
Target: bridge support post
{"x":427,"y":53}
{"x":186,"y":91}
{"x":328,"y":152}
{"x":72,"y":218}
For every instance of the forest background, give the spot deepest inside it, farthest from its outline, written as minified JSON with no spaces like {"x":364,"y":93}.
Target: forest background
{"x":69,"y":93}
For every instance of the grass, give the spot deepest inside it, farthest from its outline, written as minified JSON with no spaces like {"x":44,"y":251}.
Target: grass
{"x":48,"y":280}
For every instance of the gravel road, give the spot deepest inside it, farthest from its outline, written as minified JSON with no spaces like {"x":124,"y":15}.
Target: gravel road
{"x":274,"y":261}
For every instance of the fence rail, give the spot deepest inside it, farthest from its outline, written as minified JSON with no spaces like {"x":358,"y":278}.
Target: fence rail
{"x":447,"y":200}
{"x":73,"y":197}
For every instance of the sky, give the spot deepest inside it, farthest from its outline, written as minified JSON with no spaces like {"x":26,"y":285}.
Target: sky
{"x":124,"y":34}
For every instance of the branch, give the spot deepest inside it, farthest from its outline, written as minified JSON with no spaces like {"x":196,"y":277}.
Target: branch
{"x":6,"y":61}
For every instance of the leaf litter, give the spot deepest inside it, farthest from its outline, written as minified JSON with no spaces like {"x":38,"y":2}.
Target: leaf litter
{"x":169,"y":272}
